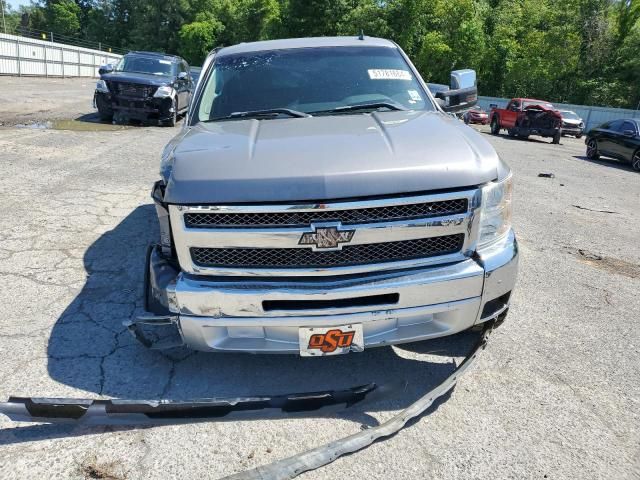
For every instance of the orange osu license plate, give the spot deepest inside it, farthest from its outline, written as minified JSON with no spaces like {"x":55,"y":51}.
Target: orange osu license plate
{"x":318,"y":341}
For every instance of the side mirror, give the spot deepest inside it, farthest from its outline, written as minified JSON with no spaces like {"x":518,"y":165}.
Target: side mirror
{"x":464,"y":91}
{"x":183,"y":76}
{"x":108,"y":68}
{"x":629,"y":133}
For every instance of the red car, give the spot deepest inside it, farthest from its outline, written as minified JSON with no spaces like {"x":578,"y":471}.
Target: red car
{"x":476,"y":115}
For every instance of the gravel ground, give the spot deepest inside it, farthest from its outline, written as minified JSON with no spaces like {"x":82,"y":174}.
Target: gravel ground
{"x":555,"y":395}
{"x":27,"y":100}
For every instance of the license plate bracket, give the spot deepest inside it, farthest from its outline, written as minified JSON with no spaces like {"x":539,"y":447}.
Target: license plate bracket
{"x":338,"y":340}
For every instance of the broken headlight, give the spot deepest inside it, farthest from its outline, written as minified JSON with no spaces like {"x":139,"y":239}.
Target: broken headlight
{"x":495,"y":216}
{"x":101,"y":86}
{"x":164,"y":92}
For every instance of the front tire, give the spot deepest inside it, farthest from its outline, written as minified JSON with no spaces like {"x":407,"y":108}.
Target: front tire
{"x":105,"y":112}
{"x":635,"y":161}
{"x":592,"y":150}
{"x":173,"y":119}
{"x":495,"y":126}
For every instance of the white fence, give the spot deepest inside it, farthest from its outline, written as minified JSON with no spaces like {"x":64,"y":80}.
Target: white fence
{"x":28,"y":56}
{"x":592,"y":116}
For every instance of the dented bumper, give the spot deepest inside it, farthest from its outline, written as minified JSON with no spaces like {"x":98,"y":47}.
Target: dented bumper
{"x":265,"y":315}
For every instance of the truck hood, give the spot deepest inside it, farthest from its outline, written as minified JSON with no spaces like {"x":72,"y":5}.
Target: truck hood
{"x":326,"y":157}
{"x":141,"y":78}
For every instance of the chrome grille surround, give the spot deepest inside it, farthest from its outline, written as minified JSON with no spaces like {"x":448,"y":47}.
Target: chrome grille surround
{"x":271,"y":238}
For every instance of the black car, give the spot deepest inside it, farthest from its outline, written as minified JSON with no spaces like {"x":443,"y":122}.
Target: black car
{"x":619,"y":139}
{"x":144,"y":86}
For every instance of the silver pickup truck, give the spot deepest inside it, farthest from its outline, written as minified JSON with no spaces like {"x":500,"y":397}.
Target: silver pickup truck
{"x":320,"y":200}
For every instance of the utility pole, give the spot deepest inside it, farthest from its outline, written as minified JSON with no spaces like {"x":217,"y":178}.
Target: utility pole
{"x":4,"y":23}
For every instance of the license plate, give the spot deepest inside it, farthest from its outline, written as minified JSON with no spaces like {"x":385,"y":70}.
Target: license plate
{"x":319,"y":341}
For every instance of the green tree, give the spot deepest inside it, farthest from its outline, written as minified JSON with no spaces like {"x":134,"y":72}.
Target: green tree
{"x":63,"y":17}
{"x":199,"y":37}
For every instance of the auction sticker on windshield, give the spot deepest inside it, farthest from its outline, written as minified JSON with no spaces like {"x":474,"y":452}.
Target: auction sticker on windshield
{"x":389,"y":74}
{"x":319,"y":341}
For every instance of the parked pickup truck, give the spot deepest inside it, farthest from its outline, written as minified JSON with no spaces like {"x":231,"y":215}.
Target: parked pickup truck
{"x":526,"y":116}
{"x":319,"y":200}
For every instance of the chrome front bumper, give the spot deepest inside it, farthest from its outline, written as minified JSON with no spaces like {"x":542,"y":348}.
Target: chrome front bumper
{"x":263,"y":316}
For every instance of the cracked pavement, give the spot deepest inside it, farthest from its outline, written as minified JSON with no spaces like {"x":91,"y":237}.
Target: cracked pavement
{"x":555,"y":395}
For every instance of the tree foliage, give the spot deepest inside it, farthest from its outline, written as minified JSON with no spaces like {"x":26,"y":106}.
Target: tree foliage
{"x":580,"y":51}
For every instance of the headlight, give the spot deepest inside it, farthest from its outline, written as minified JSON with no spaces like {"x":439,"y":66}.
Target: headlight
{"x":101,"y":86}
{"x":163,"y":92}
{"x":495,"y":216}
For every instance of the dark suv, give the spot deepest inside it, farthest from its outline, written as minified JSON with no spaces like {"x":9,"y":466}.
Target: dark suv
{"x":144,"y":86}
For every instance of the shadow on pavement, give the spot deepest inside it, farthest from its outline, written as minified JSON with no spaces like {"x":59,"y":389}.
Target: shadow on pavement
{"x":92,"y":352}
{"x":606,"y":162}
{"x":531,"y":139}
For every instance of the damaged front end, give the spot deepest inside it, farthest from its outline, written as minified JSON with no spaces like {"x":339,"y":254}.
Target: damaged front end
{"x":259,"y":310}
{"x":538,"y":120}
{"x":159,"y":327}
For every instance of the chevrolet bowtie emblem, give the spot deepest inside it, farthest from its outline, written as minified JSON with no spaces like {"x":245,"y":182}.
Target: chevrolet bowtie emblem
{"x":326,"y":237}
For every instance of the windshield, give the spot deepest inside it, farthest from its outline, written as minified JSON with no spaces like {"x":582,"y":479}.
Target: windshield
{"x":140,"y":64}
{"x":195,"y":73}
{"x":570,"y":115}
{"x":310,"y":80}
{"x":535,"y":103}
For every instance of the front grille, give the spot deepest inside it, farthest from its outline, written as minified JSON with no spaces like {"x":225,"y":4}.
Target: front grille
{"x":134,"y":90}
{"x":307,"y":258}
{"x":346,"y":217}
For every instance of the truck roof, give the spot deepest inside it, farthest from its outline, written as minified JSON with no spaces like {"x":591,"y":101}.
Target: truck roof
{"x":306,"y":43}
{"x":531,"y":100}
{"x":154,"y":54}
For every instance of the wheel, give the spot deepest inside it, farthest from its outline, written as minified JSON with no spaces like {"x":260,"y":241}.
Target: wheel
{"x":511,"y":132}
{"x":171,"y":121}
{"x":105,"y":112}
{"x":635,"y":161}
{"x":592,"y":149}
{"x":579,"y":136}
{"x":556,"y":137}
{"x":495,"y":126}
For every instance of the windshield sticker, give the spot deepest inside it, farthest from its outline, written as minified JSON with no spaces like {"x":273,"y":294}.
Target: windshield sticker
{"x":389,"y":74}
{"x":166,"y":62}
{"x":414,"y":96}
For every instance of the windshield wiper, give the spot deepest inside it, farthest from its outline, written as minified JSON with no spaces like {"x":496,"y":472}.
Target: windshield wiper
{"x":270,"y":112}
{"x":363,"y":106}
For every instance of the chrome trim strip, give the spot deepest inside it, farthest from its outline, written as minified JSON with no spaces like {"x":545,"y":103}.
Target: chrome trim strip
{"x":335,"y":318}
{"x":290,"y":237}
{"x":243,"y":298}
{"x":329,"y":205}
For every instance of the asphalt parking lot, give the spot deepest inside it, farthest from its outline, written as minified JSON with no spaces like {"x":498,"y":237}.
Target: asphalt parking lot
{"x":555,"y":395}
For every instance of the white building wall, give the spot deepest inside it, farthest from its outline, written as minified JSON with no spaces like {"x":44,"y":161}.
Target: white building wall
{"x":29,"y":56}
